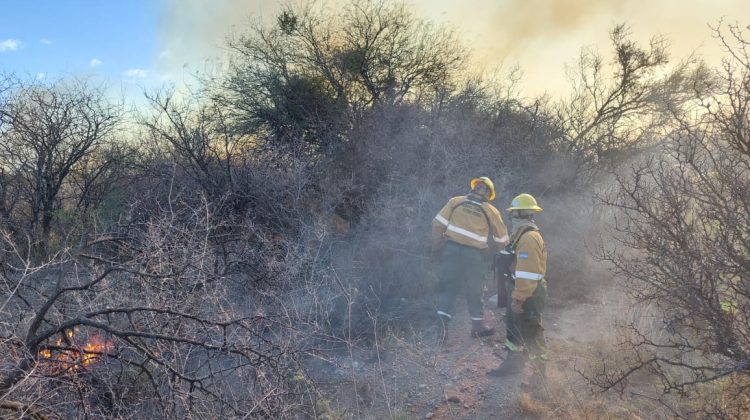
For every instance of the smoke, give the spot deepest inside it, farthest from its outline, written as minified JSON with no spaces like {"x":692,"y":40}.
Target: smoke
{"x":540,"y":36}
{"x":509,"y":27}
{"x":543,"y":36}
{"x":520,"y":23}
{"x":193,"y":33}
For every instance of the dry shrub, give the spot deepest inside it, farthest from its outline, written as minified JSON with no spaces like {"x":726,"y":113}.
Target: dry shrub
{"x":533,"y":407}
{"x":556,"y":400}
{"x":187,"y":331}
{"x":678,"y":244}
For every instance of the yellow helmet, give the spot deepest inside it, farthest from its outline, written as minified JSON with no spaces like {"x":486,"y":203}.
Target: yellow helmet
{"x":524,"y":202}
{"x":486,"y":181}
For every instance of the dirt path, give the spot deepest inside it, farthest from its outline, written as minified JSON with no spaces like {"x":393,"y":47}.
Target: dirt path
{"x":408,"y":379}
{"x":468,"y":392}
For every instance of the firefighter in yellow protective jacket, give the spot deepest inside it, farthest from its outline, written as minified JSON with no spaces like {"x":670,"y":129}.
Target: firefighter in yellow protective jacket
{"x":467,"y":231}
{"x":526,"y":290}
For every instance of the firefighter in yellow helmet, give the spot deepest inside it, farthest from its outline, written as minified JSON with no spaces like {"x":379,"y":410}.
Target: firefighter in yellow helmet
{"x":466,"y":232}
{"x":525,"y":258}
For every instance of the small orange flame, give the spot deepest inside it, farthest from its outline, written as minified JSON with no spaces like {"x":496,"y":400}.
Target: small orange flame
{"x":95,"y":347}
{"x":68,"y":354}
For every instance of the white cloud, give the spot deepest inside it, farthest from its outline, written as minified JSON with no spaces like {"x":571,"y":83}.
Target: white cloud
{"x":136,"y":73}
{"x":41,"y":76}
{"x":95,"y":62}
{"x":165,"y":54}
{"x":10,"y":45}
{"x":45,"y":41}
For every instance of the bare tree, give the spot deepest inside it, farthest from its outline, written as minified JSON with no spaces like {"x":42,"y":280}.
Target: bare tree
{"x":99,"y":174}
{"x":682,"y":230}
{"x":6,"y":181}
{"x":48,"y":130}
{"x":196,"y":134}
{"x":313,"y":74}
{"x":617,"y":106}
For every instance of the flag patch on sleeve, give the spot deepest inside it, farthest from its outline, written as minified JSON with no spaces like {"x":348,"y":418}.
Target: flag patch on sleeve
{"x":523,"y":255}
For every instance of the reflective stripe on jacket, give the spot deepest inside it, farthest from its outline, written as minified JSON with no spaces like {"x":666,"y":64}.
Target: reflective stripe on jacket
{"x":531,"y":264}
{"x":465,"y":221}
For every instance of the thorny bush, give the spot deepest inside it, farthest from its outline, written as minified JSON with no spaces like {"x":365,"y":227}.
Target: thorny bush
{"x":152,"y":319}
{"x":682,"y":229}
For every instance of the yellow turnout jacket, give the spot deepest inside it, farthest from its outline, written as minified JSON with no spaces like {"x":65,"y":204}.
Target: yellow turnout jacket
{"x":471,"y":223}
{"x":531,"y":264}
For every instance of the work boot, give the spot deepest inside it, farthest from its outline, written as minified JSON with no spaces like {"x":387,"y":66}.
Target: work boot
{"x":513,"y":365}
{"x":480,"y":329}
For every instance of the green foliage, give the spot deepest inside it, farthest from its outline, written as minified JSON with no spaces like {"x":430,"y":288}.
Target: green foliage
{"x":313,"y":75}
{"x":287,"y":22}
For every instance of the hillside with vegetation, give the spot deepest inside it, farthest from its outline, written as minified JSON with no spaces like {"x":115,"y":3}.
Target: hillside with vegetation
{"x":257,"y":246}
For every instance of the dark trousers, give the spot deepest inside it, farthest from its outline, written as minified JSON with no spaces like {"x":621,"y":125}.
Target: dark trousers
{"x":525,"y":330}
{"x":462,"y":270}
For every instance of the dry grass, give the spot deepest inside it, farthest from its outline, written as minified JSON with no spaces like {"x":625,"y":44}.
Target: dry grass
{"x":530,"y":405}
{"x":556,"y":408}
{"x":566,"y":394}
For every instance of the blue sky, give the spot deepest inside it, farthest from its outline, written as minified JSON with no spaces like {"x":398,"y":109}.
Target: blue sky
{"x":47,"y":39}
